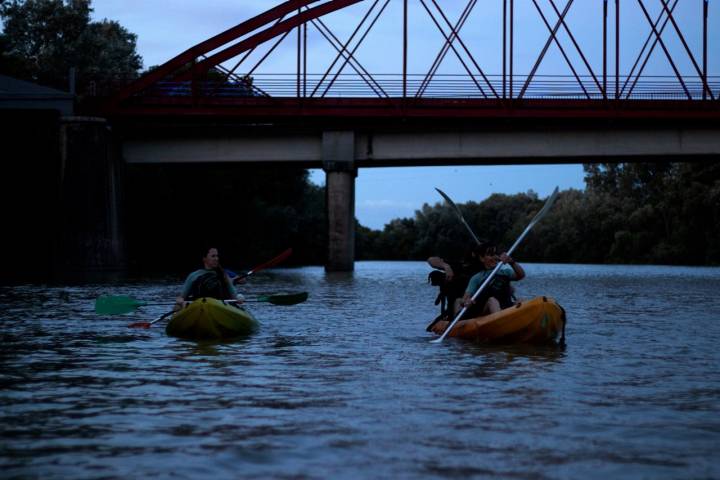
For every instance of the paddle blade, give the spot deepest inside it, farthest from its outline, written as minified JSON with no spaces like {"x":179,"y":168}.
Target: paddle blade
{"x":284,"y":299}
{"x":140,"y":325}
{"x":548,"y":205}
{"x":272,"y":263}
{"x":450,"y":202}
{"x":459,"y":214}
{"x":116,"y":304}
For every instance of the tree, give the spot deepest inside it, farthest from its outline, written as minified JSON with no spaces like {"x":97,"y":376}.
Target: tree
{"x":252,"y":212}
{"x":43,"y":39}
{"x":632,"y":213}
{"x":666,"y":212}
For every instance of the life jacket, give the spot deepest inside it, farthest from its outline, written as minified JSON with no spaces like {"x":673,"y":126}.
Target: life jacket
{"x":501,"y":289}
{"x":210,"y":284}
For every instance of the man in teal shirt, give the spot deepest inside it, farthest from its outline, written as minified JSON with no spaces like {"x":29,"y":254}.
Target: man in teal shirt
{"x":499,"y":293}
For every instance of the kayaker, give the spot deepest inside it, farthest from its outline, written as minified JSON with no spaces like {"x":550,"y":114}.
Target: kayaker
{"x":498,"y":294}
{"x":209,"y":281}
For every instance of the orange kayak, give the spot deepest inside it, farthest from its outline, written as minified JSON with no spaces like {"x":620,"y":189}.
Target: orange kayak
{"x":537,"y":321}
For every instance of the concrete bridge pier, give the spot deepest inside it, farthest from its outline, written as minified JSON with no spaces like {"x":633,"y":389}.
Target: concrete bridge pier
{"x":89,"y":219}
{"x":338,"y":150}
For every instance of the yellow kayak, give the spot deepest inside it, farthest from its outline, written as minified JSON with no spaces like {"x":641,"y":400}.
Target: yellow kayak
{"x":208,"y":318}
{"x":537,"y":321}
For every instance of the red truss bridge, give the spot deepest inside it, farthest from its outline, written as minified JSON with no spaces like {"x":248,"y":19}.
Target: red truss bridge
{"x":390,"y":59}
{"x":349,"y":84}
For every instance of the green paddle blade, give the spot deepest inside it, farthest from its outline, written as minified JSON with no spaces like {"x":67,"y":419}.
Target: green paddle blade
{"x":284,"y":299}
{"x":116,"y":304}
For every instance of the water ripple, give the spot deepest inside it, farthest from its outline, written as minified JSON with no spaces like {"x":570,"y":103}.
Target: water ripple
{"x":347,"y":385}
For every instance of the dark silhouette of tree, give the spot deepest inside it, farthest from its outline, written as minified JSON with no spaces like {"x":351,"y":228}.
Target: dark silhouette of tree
{"x":649,"y":213}
{"x":43,"y":39}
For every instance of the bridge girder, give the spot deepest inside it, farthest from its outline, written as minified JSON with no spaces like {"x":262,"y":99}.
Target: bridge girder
{"x":189,"y":68}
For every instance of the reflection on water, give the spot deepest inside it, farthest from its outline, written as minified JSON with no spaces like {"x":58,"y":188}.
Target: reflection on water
{"x":348,"y":385}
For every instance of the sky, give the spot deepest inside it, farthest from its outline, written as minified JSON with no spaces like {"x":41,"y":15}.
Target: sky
{"x":166,"y":28}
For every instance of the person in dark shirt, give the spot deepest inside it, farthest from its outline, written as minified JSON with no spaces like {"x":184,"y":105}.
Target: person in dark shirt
{"x":209,"y":281}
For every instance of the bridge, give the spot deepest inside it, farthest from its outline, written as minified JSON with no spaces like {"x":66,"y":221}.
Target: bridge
{"x":348,"y":84}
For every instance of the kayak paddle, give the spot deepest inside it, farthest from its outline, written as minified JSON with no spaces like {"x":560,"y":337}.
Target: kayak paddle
{"x":538,"y":216}
{"x":118,"y":304}
{"x":270,"y":263}
{"x":149,"y":324}
{"x":284,"y":299}
{"x":470,"y":230}
{"x":121,"y":304}
{"x":278,"y":299}
{"x":459,"y":214}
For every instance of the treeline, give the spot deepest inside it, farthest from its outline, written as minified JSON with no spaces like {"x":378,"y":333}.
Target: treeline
{"x":630,"y":213}
{"x":251,"y":213}
{"x":638,"y":213}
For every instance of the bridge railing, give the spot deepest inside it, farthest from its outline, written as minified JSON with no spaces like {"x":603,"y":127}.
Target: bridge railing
{"x":446,"y":86}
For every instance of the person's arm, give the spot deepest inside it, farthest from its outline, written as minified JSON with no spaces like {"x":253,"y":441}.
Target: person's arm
{"x":179,"y":303}
{"x":187,"y":287}
{"x":233,"y":291}
{"x":440,"y":264}
{"x":472,"y":286}
{"x":517,"y":268}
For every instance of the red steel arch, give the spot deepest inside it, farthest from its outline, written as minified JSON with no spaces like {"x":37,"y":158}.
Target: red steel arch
{"x":592,"y":91}
{"x":170,"y":68}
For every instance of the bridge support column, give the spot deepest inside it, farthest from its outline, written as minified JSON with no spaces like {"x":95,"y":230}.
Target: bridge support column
{"x":340,"y":172}
{"x":91,"y":237}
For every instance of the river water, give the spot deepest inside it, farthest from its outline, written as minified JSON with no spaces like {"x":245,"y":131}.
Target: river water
{"x":347,"y":385}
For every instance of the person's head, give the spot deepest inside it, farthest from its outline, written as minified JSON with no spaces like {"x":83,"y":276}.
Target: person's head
{"x":211,"y":258}
{"x":486,"y":253}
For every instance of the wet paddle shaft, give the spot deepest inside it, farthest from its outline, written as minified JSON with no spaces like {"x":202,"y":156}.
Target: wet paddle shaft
{"x":538,"y":216}
{"x":263,"y":266}
{"x":121,"y":304}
